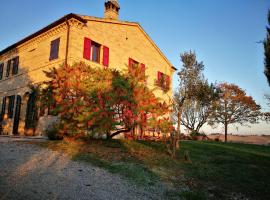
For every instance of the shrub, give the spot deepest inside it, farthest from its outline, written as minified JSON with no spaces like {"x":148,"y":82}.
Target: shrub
{"x":195,"y":134}
{"x":198,"y":136}
{"x":53,"y":133}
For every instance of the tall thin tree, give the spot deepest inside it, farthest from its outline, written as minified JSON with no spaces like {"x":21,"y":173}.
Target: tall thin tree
{"x":266,"y":45}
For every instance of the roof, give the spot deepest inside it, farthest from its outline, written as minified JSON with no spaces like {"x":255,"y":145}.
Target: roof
{"x":84,"y":19}
{"x":50,"y":26}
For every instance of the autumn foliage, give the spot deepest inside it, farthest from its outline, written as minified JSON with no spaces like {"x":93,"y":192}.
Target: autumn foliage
{"x":235,"y":107}
{"x":105,"y":101}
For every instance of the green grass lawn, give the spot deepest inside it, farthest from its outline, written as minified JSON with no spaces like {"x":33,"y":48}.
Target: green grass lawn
{"x":216,"y":170}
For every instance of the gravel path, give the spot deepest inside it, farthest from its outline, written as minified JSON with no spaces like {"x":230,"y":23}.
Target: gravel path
{"x":30,"y":172}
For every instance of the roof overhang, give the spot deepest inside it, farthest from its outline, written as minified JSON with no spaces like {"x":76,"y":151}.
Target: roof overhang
{"x":52,"y":25}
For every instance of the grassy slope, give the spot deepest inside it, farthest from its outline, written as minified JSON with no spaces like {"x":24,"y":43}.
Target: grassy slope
{"x":216,"y":170}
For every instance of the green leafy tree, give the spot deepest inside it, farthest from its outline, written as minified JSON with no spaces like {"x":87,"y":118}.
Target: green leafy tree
{"x":190,"y":77}
{"x":198,"y":108}
{"x":234,"y":107}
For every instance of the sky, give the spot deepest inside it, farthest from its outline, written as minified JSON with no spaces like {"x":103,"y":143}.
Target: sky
{"x":224,"y":35}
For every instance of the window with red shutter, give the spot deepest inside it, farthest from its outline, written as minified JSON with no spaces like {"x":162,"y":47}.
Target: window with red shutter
{"x":54,"y":49}
{"x":132,"y":63}
{"x":106,"y":54}
{"x":87,"y":48}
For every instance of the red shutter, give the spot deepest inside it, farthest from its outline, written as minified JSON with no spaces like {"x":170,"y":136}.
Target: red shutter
{"x":143,"y":67}
{"x":87,"y":48}
{"x":130,"y":62}
{"x":159,"y":76}
{"x":106,"y":54}
{"x":168,"y":81}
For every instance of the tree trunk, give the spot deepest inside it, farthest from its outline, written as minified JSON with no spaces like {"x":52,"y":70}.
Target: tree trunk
{"x":178,"y":132}
{"x":118,"y":132}
{"x":178,"y":121}
{"x":226,"y":131}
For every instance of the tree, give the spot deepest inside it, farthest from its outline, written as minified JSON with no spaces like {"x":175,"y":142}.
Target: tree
{"x":198,"y":108}
{"x":234,"y":107}
{"x":104,"y":101}
{"x":266,"y":44}
{"x":189,"y":76}
{"x":194,"y":98}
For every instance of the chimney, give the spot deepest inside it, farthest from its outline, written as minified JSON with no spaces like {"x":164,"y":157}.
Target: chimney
{"x":111,"y":9}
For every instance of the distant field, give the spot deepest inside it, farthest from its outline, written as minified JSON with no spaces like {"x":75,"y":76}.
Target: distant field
{"x":249,"y":139}
{"x":216,"y":171}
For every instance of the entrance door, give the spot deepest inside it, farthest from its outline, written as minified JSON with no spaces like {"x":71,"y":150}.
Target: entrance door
{"x":17,"y":115}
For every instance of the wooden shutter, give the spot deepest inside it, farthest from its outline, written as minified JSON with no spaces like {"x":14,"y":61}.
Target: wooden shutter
{"x":106,"y":54}
{"x":130,"y":62}
{"x":87,"y":48}
{"x":15,"y":65}
{"x":168,"y":81}
{"x":54,"y":49}
{"x":11,"y":106}
{"x":143,"y":67}
{"x":3,"y":109}
{"x":159,"y":76}
{"x":1,"y":70}
{"x":8,"y":68}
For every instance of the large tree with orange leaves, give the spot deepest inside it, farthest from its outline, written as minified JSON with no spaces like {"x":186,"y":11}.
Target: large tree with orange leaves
{"x":235,"y":107}
{"x":105,"y":101}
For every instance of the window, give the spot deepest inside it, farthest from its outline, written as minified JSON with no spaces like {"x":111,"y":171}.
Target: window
{"x":15,"y":65}
{"x":8,"y":68}
{"x":92,"y":51}
{"x":95,"y":49}
{"x":11,"y":100}
{"x":163,"y":81}
{"x":3,"y":110}
{"x":1,"y":70}
{"x":54,"y":49}
{"x":31,"y":112}
{"x":133,"y":63}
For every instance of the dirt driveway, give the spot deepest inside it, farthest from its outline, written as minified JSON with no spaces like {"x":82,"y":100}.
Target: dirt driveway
{"x":31,"y":172}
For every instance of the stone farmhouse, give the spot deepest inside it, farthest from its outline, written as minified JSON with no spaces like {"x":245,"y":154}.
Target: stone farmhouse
{"x":100,"y":42}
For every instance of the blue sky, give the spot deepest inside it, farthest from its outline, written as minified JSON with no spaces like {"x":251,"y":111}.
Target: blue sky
{"x":223,"y":33}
